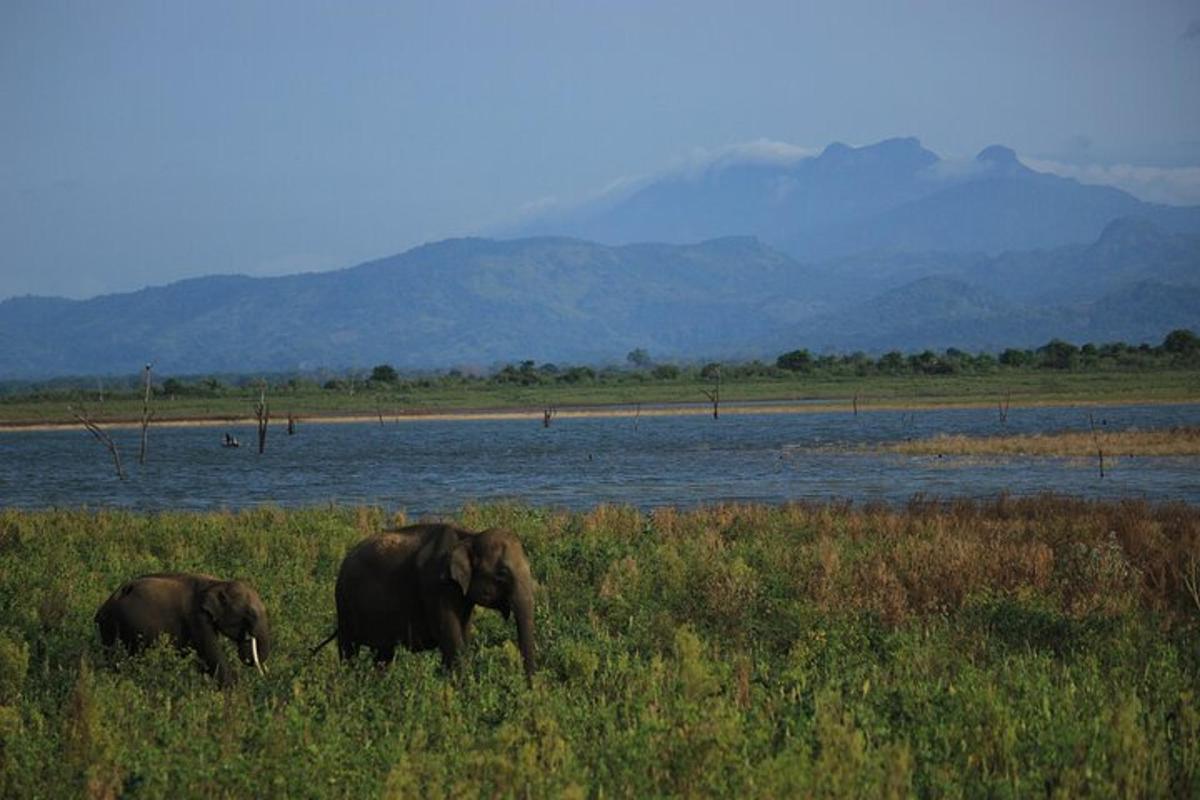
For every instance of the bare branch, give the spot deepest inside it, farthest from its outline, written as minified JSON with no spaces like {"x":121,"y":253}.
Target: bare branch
{"x":102,"y":437}
{"x":262,"y":412}
{"x":147,"y":414}
{"x":1096,"y":439}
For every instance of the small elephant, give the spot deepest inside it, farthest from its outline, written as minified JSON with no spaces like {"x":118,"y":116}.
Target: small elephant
{"x":418,"y":586}
{"x":191,"y":610}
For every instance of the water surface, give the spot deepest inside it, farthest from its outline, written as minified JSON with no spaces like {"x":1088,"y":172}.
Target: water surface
{"x":431,"y":466}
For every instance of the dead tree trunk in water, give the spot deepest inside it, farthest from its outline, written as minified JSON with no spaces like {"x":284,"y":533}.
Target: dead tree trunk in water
{"x":291,"y":429}
{"x":263,"y":413}
{"x":103,"y":438}
{"x":147,"y":414}
{"x":715,"y":395}
{"x":1003,"y":406}
{"x":548,"y":413}
{"x":1096,"y":439}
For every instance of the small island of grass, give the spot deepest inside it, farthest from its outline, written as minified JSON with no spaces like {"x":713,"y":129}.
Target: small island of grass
{"x":1180,"y":441}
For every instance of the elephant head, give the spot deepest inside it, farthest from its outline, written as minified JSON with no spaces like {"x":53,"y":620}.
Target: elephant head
{"x":234,"y":609}
{"x":492,"y":571}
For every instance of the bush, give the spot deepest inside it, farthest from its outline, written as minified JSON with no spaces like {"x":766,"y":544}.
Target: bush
{"x":796,"y":361}
{"x":666,"y":372}
{"x":384,"y":373}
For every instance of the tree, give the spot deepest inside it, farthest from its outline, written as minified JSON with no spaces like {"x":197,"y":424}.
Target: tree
{"x":262,"y":413}
{"x":925,"y":362}
{"x":1057,"y":354}
{"x":1181,"y":340}
{"x":147,"y":414}
{"x":892,"y":362}
{"x":1014,"y":358}
{"x":578,"y":375}
{"x":796,"y":361}
{"x":384,"y":373}
{"x":639,"y":358}
{"x":712,"y":372}
{"x":666,"y":372}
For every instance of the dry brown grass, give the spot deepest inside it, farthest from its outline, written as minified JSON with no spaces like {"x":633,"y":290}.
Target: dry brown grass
{"x":931,"y":558}
{"x":1183,"y":441}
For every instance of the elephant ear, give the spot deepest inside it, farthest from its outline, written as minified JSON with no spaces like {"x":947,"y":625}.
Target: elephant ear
{"x":458,"y":567}
{"x":215,"y":603}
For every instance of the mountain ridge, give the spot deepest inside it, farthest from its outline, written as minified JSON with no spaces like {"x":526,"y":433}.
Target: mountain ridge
{"x":475,"y":302}
{"x":894,"y":195}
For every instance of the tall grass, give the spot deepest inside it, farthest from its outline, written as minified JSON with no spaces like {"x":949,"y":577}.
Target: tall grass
{"x":1041,"y":646}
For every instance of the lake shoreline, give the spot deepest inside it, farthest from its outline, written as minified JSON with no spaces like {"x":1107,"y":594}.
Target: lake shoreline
{"x":613,"y":410}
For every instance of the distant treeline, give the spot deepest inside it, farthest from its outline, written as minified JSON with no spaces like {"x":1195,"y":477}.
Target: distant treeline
{"x":1180,"y":349}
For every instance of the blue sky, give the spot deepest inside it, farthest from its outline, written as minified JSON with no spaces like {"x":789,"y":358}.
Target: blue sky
{"x":141,"y":143}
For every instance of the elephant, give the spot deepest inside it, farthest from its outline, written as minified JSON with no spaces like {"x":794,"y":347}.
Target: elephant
{"x":418,"y":586}
{"x":191,"y":610}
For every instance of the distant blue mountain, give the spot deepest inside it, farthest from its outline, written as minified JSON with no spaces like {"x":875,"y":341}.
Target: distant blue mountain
{"x":463,"y":302}
{"x":476,"y":302}
{"x":894,"y":196}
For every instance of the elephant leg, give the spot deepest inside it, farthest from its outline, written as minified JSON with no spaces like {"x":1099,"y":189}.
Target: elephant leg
{"x":347,"y":646}
{"x":107,"y":626}
{"x":448,"y":628}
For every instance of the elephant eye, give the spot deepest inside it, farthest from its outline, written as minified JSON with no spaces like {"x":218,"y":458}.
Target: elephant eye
{"x":503,"y":573}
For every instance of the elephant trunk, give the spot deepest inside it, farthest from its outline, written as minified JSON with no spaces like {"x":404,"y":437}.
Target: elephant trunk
{"x":522,"y":608}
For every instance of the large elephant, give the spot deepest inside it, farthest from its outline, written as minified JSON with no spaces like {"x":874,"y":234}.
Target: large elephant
{"x":191,"y":610}
{"x":418,"y":586}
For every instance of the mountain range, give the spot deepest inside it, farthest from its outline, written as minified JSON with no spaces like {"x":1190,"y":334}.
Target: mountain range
{"x":874,"y":248}
{"x":894,"y":195}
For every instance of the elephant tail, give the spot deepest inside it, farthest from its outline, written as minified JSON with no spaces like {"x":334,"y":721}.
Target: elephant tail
{"x":323,"y":642}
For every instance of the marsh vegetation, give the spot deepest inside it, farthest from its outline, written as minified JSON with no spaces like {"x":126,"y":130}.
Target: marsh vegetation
{"x":1178,"y":441}
{"x":1042,"y":646}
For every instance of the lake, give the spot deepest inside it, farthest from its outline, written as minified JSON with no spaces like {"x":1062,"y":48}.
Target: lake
{"x":431,"y":466}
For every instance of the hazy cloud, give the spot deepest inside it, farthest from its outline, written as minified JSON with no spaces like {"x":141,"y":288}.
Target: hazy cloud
{"x":1192,"y":32}
{"x":954,"y":169}
{"x":758,"y":151}
{"x":1171,"y":185}
{"x":692,"y":165}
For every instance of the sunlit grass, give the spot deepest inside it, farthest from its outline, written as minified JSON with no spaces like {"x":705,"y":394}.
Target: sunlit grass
{"x":1017,"y":647}
{"x":1181,"y":441}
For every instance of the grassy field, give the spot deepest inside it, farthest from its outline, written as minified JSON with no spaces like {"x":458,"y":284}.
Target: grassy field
{"x":1183,"y":441}
{"x":1016,"y":387}
{"x":1005,"y":649}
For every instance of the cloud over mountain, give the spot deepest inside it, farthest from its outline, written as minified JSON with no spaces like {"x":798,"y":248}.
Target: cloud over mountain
{"x":1155,"y":184}
{"x":894,"y":194}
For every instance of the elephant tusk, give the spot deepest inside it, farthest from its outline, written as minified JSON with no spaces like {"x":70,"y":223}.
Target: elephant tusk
{"x":254,"y":652}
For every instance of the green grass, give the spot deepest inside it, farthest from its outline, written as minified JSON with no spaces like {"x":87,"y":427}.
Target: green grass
{"x":1006,"y":649}
{"x":1017,"y":386}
